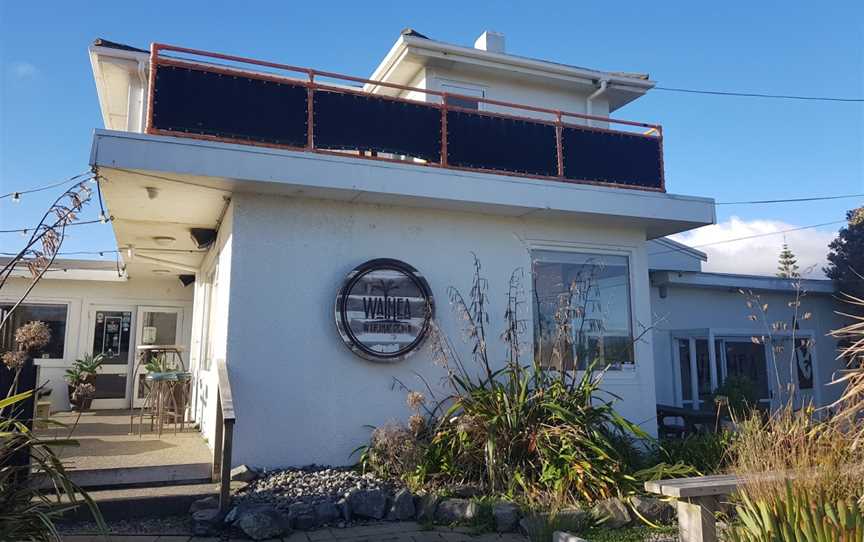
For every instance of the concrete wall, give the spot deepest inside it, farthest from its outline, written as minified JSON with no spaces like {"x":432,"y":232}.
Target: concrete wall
{"x":81,"y":296}
{"x":300,"y":394}
{"x":699,"y":308}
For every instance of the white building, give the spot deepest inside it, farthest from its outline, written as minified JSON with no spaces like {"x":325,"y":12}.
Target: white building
{"x":289,"y":179}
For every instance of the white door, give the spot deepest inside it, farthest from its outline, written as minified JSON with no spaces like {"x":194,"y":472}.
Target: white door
{"x":110,"y":335}
{"x":156,"y":326}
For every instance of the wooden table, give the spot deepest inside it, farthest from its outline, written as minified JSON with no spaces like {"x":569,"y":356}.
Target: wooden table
{"x":697,"y":500}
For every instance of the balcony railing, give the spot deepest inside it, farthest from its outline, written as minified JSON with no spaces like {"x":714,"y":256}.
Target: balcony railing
{"x":233,"y":99}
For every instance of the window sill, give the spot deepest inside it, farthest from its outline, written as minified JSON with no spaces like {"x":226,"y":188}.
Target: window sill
{"x":51,"y":363}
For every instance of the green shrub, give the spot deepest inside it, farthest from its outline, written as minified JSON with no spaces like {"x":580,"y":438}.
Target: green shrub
{"x":707,"y":453}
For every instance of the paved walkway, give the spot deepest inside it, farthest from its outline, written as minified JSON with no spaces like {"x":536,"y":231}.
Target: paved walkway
{"x":397,"y":532}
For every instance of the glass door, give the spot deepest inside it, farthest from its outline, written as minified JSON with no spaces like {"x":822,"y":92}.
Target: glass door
{"x":748,"y":360}
{"x":156,"y":326}
{"x":110,"y":332}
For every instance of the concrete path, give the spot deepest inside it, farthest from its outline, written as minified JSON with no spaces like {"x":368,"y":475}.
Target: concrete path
{"x":397,"y":532}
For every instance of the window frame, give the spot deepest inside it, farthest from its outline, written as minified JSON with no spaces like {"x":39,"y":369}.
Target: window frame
{"x":628,"y":370}
{"x":465,"y":86}
{"x":67,"y":331}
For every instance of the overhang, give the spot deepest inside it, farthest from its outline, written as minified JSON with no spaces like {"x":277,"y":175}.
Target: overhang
{"x":70,"y":269}
{"x":733,"y":282}
{"x":193,"y":178}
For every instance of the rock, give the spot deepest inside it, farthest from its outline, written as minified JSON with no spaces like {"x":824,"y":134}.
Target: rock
{"x":426,"y":506}
{"x":302,"y":516}
{"x":243,"y":473}
{"x":206,"y":503}
{"x":261,"y":522}
{"x":465,"y":491}
{"x":654,"y":510}
{"x":368,"y":503}
{"x":327,"y":512}
{"x":506,"y":516}
{"x":344,"y":509}
{"x":402,"y":506}
{"x":455,"y":511}
{"x":612,"y":513}
{"x":572,"y":518}
{"x":206,"y":522}
{"x":561,"y":536}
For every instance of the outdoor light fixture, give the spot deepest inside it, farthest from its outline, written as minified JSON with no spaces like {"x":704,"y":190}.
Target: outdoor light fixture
{"x":16,"y":197}
{"x":203,"y":237}
{"x":186,"y":280}
{"x":152,"y":191}
{"x":161,"y":271}
{"x":164,"y":240}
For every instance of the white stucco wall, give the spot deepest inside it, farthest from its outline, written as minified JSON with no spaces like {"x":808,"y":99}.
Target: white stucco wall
{"x":81,"y":296}
{"x":300,"y":395}
{"x":698,"y":308}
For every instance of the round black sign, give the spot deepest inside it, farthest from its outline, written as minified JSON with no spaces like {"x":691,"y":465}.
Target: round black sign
{"x":383,"y":310}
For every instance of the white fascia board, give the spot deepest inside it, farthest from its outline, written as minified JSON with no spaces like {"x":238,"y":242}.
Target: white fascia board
{"x":99,"y":275}
{"x":406,"y":45}
{"x":724,"y":281}
{"x":246,"y":168}
{"x":99,"y":54}
{"x":681,"y":247}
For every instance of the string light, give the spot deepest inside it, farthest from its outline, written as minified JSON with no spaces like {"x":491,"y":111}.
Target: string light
{"x":16,"y":197}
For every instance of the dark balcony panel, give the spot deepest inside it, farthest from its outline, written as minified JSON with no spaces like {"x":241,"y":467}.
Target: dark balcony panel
{"x":475,"y":140}
{"x":348,"y":121}
{"x":228,"y":106}
{"x":612,"y":157}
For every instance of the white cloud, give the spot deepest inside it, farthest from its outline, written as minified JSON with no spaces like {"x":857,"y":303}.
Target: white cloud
{"x":758,"y":256}
{"x":24,"y":70}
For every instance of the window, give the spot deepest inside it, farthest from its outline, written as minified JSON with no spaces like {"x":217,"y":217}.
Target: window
{"x":53,"y":315}
{"x":704,"y":371}
{"x":465,"y":90}
{"x":581,"y":309}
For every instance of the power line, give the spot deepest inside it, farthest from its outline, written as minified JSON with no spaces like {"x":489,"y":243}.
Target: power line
{"x":101,"y":220}
{"x":74,"y":253}
{"x":16,"y":195}
{"x":791,"y":200}
{"x":766,"y":234}
{"x":759,"y":95}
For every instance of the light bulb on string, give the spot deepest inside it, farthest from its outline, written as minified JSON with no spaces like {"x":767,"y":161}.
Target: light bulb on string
{"x":16,"y":197}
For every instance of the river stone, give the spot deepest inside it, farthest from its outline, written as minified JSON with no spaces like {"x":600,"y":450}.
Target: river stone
{"x":506,"y":516}
{"x":302,"y":516}
{"x":455,"y":511}
{"x":654,"y":510}
{"x":612,"y":513}
{"x":368,"y":503}
{"x":344,"y":509}
{"x":261,"y":522}
{"x":206,"y":522}
{"x":426,"y":507}
{"x":243,"y":473}
{"x":402,"y":506}
{"x":327,"y":512}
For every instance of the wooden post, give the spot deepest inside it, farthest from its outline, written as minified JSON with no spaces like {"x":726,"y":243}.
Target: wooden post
{"x":695,"y":522}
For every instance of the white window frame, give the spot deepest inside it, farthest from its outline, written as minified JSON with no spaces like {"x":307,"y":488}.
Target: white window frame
{"x":51,"y":362}
{"x":464,"y":88}
{"x":627,"y":371}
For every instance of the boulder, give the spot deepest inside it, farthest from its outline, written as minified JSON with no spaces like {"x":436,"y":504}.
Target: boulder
{"x":426,"y":506}
{"x":455,"y":511}
{"x":654,"y":510}
{"x":344,"y":509}
{"x":612,"y":513}
{"x":261,"y":522}
{"x":506,"y":516}
{"x":244,"y":473}
{"x":465,"y":491}
{"x":368,"y":503}
{"x":562,"y":536}
{"x":206,"y":522}
{"x":327,"y":512}
{"x":402,"y":506}
{"x":302,"y":516}
{"x":206,"y":503}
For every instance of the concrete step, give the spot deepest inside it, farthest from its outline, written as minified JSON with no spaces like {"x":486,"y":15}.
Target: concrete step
{"x":143,"y":475}
{"x":154,"y":501}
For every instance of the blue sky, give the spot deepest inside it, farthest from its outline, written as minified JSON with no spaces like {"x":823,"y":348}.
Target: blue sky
{"x":727,"y":148}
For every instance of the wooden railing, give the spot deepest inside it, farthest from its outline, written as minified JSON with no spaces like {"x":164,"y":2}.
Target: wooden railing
{"x":225,"y":419}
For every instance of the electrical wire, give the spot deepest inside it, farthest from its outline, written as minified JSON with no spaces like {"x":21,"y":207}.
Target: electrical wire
{"x":790,"y":200}
{"x":76,"y":179}
{"x":104,"y":220}
{"x":760,"y":95}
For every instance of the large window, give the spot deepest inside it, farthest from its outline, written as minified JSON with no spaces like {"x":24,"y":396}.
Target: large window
{"x":581,"y":310}
{"x":53,"y":315}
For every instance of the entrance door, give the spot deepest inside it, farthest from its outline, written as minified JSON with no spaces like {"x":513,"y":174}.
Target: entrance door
{"x":156,"y":326}
{"x":111,"y":335}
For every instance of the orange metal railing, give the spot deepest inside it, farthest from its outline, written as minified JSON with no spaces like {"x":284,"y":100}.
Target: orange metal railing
{"x":312,"y":81}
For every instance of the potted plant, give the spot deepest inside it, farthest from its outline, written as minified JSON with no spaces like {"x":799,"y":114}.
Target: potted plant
{"x":81,"y":380}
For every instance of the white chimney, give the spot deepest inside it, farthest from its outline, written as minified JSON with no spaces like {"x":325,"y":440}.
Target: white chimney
{"x":490,"y":41}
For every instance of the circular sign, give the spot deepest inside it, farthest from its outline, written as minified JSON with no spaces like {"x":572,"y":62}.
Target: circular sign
{"x":383,"y":310}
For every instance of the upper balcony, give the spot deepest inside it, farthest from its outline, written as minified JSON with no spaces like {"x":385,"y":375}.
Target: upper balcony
{"x":218,"y":97}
